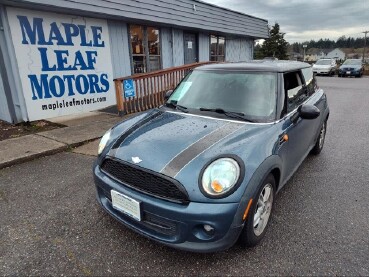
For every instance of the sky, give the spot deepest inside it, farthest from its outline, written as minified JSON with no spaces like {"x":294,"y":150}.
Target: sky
{"x":303,"y":20}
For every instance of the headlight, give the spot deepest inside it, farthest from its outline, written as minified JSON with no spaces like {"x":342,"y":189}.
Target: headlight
{"x":104,"y":140}
{"x":220,"y":177}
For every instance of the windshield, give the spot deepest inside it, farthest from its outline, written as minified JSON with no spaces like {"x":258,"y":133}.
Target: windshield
{"x":250,"y":94}
{"x":352,"y":62}
{"x":323,"y":62}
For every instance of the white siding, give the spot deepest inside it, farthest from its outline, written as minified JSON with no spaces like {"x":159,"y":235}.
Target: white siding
{"x":336,"y":54}
{"x":178,"y":54}
{"x":4,"y":110}
{"x":119,"y":42}
{"x":239,"y":49}
{"x":204,"y":47}
{"x":12,"y":72}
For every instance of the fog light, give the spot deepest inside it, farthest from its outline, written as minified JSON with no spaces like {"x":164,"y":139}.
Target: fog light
{"x":209,"y":229}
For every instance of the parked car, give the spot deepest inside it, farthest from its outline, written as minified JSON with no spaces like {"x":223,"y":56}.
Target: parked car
{"x":325,"y":67}
{"x":351,"y":67}
{"x":202,"y":171}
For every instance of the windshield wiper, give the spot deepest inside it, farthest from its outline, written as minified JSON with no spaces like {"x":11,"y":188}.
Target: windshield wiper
{"x":176,"y":106}
{"x":228,"y":113}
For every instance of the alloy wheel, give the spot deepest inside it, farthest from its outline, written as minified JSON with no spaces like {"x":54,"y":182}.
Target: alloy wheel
{"x":322,"y":135}
{"x":263,"y":209}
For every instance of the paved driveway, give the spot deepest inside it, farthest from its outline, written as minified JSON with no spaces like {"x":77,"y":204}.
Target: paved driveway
{"x":50,"y":222}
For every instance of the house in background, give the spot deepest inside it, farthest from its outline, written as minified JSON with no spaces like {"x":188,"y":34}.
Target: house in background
{"x":336,"y":54}
{"x":314,"y":54}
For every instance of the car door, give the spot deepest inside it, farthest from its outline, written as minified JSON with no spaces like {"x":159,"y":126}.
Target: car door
{"x":300,"y":132}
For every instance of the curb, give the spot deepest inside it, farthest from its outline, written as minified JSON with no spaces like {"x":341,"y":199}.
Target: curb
{"x":33,"y":156}
{"x":45,"y":153}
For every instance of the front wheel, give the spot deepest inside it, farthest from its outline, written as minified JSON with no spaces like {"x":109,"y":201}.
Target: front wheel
{"x":320,"y":142}
{"x":258,"y":218}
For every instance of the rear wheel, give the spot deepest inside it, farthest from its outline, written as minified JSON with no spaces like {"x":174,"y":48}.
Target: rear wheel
{"x":320,"y":142}
{"x":259,"y":215}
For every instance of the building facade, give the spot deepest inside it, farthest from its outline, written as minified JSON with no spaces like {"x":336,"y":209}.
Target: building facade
{"x":60,"y":57}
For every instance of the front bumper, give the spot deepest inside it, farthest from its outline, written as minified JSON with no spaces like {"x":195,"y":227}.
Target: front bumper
{"x":349,"y":73}
{"x":323,"y":71}
{"x":176,"y":225}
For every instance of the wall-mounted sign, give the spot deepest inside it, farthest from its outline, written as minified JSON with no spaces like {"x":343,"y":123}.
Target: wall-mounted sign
{"x":129,"y":88}
{"x":64,"y":62}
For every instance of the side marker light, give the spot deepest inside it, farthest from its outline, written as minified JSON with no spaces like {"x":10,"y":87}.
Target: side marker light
{"x":247,"y":210}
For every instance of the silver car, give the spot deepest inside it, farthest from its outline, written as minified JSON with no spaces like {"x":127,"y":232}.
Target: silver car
{"x":325,"y":66}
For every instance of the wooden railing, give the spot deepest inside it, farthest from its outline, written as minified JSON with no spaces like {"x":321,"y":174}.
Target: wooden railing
{"x":150,"y":88}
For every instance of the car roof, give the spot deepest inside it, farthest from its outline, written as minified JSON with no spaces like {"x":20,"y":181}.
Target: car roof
{"x":256,"y":65}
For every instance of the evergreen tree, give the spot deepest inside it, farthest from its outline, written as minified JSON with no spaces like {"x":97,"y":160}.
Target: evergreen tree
{"x":275,"y":45}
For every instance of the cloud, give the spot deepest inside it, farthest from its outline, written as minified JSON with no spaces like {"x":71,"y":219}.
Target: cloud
{"x":308,"y":19}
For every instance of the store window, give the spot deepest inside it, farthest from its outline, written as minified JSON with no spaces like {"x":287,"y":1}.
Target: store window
{"x":145,"y":47}
{"x":217,"y":48}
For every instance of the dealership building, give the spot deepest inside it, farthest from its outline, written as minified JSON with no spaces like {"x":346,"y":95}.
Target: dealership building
{"x":60,"y":57}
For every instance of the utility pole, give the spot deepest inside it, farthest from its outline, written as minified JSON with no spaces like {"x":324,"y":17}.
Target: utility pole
{"x":364,"y":45}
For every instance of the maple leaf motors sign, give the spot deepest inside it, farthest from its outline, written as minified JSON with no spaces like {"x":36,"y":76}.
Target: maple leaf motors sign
{"x":64,"y":62}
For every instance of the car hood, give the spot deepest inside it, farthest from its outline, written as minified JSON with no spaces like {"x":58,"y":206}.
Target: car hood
{"x":178,"y":145}
{"x":161,"y":139}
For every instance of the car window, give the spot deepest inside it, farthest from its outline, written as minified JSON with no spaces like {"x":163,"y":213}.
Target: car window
{"x":250,"y":93}
{"x":352,"y":62}
{"x":295,"y":92}
{"x":323,"y":62}
{"x":309,"y":80}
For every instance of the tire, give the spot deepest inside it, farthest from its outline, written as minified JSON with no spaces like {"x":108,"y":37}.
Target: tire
{"x":318,"y":147}
{"x":260,"y":213}
{"x":339,"y":75}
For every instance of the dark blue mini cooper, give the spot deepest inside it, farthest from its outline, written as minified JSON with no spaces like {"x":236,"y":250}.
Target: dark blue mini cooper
{"x":202,"y":171}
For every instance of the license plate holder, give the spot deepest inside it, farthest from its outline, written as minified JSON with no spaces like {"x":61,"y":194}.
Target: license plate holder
{"x":126,"y":205}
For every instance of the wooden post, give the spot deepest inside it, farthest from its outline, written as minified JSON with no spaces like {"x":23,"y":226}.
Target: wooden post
{"x":119,"y":96}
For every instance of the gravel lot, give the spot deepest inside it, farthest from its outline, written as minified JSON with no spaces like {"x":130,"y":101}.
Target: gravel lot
{"x":50,"y":223}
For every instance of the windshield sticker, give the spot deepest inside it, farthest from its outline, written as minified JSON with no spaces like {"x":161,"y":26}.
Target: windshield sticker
{"x":183,"y":88}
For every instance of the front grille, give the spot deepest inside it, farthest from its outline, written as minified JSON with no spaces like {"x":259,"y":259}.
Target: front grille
{"x":144,"y":180}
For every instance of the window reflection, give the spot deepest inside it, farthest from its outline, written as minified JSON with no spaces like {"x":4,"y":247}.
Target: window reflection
{"x":145,"y":49}
{"x":217,"y":48}
{"x":154,"y":48}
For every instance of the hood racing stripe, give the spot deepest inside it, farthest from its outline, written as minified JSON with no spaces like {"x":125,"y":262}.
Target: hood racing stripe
{"x":135,"y":127}
{"x":188,"y":154}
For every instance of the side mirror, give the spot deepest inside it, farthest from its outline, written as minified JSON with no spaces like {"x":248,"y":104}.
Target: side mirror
{"x":168,"y":94}
{"x":305,"y":112}
{"x":309,"y":112}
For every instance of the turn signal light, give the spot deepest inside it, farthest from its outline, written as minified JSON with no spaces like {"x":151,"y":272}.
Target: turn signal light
{"x":216,"y":186}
